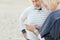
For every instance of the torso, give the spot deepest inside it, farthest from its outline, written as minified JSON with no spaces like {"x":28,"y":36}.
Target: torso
{"x":37,"y":17}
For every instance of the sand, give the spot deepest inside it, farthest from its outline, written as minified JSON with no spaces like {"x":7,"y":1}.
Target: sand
{"x":10,"y":10}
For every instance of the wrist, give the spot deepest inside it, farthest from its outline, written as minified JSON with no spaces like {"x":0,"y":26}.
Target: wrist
{"x":36,"y":32}
{"x":23,"y":31}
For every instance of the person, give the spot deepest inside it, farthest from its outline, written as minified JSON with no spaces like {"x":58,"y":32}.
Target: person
{"x":35,"y":15}
{"x":50,"y":30}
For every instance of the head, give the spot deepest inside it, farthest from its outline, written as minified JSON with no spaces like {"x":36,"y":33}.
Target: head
{"x":51,"y":4}
{"x":36,"y":3}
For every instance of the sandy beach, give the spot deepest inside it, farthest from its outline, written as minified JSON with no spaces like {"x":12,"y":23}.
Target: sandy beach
{"x":10,"y":10}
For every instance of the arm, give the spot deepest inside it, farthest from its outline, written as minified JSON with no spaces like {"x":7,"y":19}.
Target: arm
{"x":22,"y":18}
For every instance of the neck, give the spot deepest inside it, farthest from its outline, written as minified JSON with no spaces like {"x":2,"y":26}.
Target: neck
{"x":38,"y":7}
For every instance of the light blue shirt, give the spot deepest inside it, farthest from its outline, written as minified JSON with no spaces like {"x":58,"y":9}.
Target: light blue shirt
{"x":34,"y":17}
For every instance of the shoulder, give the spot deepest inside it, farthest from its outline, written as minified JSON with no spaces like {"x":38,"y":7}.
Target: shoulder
{"x":26,"y":11}
{"x":29,"y":8}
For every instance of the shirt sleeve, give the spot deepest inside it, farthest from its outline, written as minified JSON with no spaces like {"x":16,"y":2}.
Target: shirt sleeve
{"x":22,"y":18}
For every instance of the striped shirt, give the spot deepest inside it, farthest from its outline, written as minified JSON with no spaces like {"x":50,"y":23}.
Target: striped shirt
{"x":34,"y":17}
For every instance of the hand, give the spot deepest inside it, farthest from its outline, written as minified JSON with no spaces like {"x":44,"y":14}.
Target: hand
{"x":30,"y":28}
{"x":37,"y":27}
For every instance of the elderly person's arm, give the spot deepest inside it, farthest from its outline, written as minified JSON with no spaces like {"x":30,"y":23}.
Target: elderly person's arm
{"x":22,"y":18}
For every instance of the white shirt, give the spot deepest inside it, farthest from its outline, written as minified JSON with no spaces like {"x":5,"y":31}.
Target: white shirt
{"x":34,"y":17}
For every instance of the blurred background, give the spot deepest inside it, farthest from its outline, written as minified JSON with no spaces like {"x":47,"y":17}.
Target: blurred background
{"x":10,"y":11}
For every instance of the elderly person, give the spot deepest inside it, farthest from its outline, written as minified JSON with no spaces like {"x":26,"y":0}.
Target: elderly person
{"x":35,"y":16}
{"x":51,"y":27}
